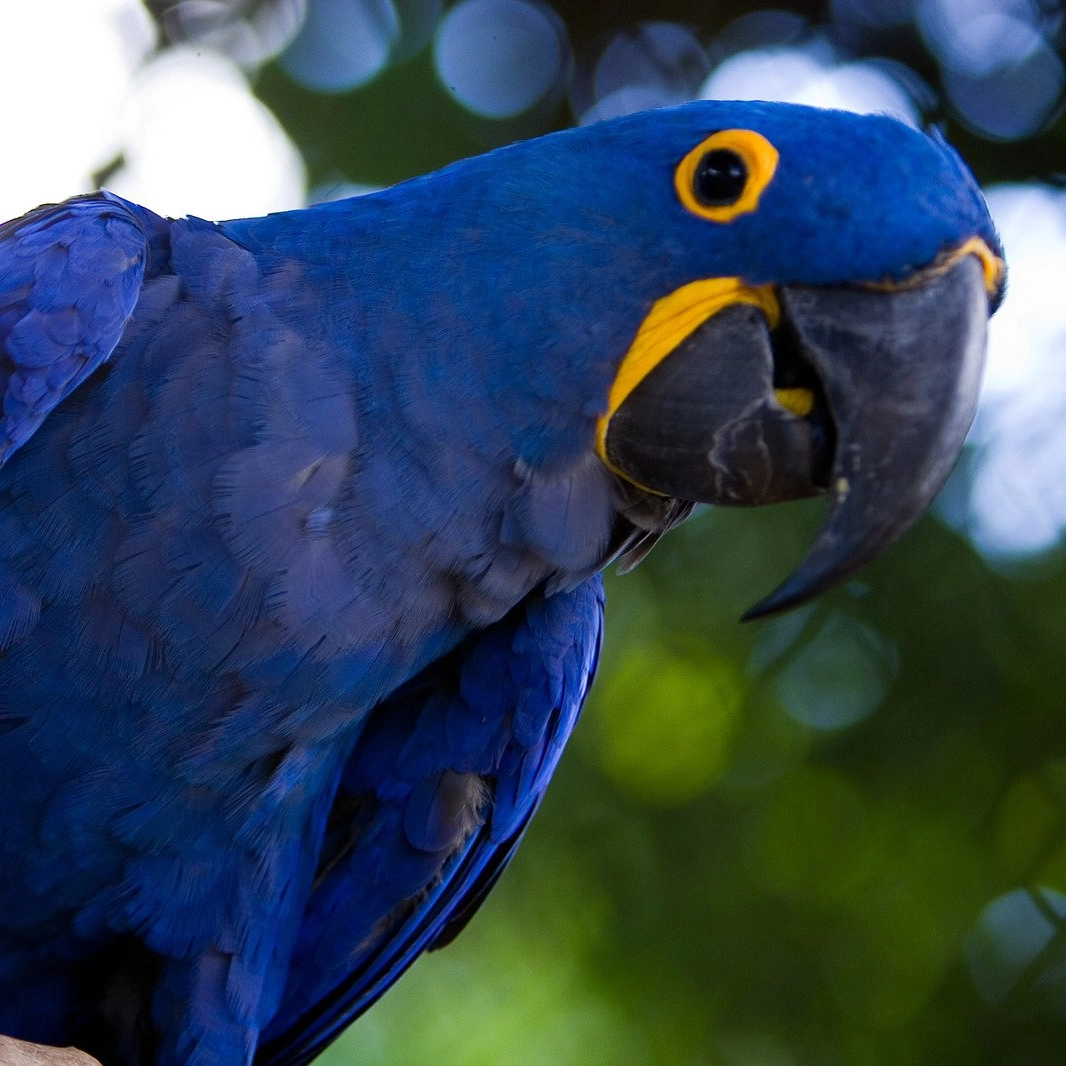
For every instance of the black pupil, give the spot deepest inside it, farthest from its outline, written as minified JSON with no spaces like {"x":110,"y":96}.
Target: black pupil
{"x":720,"y":178}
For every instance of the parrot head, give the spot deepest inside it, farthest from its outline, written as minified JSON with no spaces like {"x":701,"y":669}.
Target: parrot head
{"x":823,"y":328}
{"x":766,"y":302}
{"x":843,"y":356}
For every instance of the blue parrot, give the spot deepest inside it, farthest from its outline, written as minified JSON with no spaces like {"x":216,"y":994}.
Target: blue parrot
{"x":302,"y":519}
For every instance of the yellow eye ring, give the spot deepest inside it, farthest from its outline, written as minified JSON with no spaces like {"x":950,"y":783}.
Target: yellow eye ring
{"x":752,"y":154}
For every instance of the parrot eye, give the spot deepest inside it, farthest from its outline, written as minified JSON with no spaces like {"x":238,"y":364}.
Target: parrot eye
{"x":725,"y":174}
{"x":720,"y":178}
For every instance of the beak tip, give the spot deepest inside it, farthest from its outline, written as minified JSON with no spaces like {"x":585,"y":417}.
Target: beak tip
{"x":832,"y":560}
{"x":901,"y":431}
{"x":783,"y":598}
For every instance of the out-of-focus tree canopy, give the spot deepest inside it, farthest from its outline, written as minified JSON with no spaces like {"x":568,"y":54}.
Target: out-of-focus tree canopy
{"x":834,"y":837}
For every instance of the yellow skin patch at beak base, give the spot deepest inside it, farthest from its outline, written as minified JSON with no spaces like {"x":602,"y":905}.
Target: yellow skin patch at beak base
{"x":799,"y":401}
{"x":992,"y":267}
{"x":678,"y":315}
{"x":669,"y":322}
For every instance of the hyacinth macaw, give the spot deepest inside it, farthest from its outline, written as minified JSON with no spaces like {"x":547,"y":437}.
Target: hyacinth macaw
{"x":302,"y":517}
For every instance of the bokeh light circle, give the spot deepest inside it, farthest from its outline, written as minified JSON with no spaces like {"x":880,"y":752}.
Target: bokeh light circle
{"x":1016,"y":954}
{"x":501,"y":58}
{"x":1013,"y":101}
{"x":249,"y":33}
{"x":342,"y":44}
{"x":838,"y":675}
{"x":650,"y":64}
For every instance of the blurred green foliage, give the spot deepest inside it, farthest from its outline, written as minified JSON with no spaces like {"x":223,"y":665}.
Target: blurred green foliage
{"x":834,"y":837}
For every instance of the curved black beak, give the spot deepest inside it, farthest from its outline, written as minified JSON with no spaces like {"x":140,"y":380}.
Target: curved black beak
{"x":886,"y":381}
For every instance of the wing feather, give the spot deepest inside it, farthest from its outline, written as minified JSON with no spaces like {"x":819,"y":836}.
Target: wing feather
{"x":436,"y":799}
{"x":70,"y":275}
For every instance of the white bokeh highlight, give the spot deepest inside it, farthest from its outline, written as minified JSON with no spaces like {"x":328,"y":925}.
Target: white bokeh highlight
{"x":191,"y":136}
{"x":196,"y":141}
{"x":67,"y":68}
{"x":809,"y":75}
{"x":1017,"y":503}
